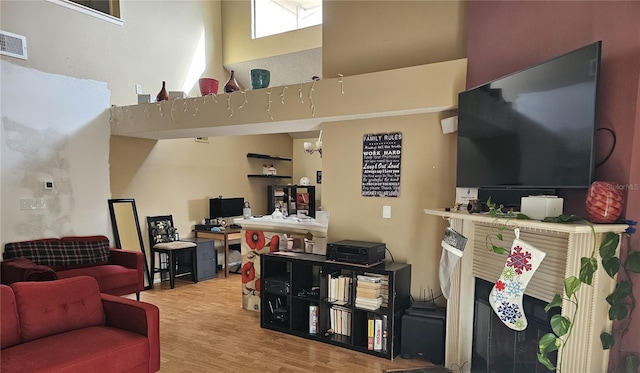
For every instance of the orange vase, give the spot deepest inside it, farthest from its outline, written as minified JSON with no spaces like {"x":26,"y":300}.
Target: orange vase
{"x":604,"y":202}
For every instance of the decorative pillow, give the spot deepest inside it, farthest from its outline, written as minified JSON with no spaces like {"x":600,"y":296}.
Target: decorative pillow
{"x":86,"y":249}
{"x":67,"y":251}
{"x":162,"y":231}
{"x":44,"y":251}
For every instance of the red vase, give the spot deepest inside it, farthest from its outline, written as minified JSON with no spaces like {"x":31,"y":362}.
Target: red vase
{"x":604,"y":202}
{"x":208,"y":86}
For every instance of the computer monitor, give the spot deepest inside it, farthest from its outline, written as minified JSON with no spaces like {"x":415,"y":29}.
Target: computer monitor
{"x":225,"y":207}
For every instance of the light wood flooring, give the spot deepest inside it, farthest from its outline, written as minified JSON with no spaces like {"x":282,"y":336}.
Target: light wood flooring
{"x":204,"y":329}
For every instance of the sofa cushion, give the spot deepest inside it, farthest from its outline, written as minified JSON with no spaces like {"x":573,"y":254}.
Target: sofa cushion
{"x":46,"y":308}
{"x":10,"y":325}
{"x":109,"y":276}
{"x":93,"y":349}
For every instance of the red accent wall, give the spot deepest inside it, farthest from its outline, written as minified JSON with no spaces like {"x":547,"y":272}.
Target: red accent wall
{"x":506,"y":36}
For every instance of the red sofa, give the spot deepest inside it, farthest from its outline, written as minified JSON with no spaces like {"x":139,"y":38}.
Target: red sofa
{"x":118,"y":272}
{"x":69,"y":326}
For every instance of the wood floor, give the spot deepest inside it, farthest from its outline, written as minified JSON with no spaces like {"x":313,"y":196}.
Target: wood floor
{"x":204,"y":329}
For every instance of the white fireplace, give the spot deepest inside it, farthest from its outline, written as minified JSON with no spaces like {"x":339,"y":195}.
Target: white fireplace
{"x":564,"y":245}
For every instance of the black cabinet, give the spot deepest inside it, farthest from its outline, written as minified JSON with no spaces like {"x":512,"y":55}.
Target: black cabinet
{"x":292,"y":199}
{"x":299,"y":297}
{"x":207,"y":257}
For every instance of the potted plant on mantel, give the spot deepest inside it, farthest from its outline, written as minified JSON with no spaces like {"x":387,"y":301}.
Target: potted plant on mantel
{"x":621,"y":301}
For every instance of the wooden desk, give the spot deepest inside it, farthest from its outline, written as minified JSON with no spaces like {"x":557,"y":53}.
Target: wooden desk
{"x":225,"y":235}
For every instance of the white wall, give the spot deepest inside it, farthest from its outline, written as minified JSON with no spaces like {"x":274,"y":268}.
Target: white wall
{"x":54,"y":128}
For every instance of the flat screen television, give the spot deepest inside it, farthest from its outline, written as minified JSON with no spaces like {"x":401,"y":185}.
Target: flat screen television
{"x":533,"y":129}
{"x":225,"y":207}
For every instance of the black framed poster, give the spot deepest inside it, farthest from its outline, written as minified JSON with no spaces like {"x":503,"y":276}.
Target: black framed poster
{"x":381,"y":154}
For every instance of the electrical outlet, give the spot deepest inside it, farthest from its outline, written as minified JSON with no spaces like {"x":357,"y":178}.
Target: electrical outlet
{"x":139,"y":89}
{"x":386,"y":212}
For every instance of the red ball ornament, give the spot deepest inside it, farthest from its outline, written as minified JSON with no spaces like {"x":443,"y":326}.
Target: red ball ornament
{"x":604,"y":202}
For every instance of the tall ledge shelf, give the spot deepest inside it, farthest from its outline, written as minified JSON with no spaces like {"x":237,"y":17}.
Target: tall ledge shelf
{"x":297,"y":108}
{"x":564,"y":245}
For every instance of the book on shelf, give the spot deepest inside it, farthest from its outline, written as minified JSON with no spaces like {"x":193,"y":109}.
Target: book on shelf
{"x":341,"y":282}
{"x":368,"y":293}
{"x":370,"y":331}
{"x":331,"y":283}
{"x":369,"y":304}
{"x":368,"y":278}
{"x":385,"y":333}
{"x":313,"y":319}
{"x":377,"y":339}
{"x":339,"y":291}
{"x":384,"y":286}
{"x":340,"y":320}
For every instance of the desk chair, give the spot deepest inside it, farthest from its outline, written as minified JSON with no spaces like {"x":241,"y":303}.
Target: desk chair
{"x":171,"y":252}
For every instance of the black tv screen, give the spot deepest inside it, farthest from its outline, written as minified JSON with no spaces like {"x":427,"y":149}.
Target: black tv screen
{"x":225,"y":207}
{"x":534,"y":128}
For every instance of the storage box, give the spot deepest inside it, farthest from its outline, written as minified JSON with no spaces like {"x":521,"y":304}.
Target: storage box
{"x":269,"y":170}
{"x":177,"y":94}
{"x":540,"y":207}
{"x":144,"y":99}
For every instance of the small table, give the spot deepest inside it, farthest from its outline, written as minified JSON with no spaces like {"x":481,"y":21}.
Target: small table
{"x":226,"y":234}
{"x":171,"y":249}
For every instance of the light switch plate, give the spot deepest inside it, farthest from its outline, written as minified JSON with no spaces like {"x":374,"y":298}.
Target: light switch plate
{"x":386,"y":212}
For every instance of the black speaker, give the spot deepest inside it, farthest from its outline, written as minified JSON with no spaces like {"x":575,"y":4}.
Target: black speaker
{"x":423,"y":333}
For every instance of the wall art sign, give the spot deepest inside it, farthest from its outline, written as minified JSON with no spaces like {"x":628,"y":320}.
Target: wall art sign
{"x":381,"y":154}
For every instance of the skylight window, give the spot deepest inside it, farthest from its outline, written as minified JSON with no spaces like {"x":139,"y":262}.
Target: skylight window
{"x":271,"y":17}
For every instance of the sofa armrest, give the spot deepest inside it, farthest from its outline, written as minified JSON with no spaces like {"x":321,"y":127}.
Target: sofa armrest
{"x":126,"y":258}
{"x":129,"y":259}
{"x":138,"y":317}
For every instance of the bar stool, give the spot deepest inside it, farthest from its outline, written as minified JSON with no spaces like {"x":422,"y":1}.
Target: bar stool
{"x":162,"y":238}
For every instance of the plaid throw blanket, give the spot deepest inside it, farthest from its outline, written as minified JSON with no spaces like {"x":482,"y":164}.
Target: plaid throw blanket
{"x":69,"y":251}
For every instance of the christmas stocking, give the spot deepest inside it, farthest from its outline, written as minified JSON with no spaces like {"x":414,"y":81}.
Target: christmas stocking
{"x":506,"y":295}
{"x":452,"y":249}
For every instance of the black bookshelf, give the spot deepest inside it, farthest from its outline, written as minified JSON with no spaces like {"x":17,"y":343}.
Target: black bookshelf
{"x":307,"y":277}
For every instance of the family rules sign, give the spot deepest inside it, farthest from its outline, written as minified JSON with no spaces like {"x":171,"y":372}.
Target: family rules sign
{"x":381,"y":154}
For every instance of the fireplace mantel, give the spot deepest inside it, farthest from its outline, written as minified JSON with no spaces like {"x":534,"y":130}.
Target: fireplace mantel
{"x":564,"y":245}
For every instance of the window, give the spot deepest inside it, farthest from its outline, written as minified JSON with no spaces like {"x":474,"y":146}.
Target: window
{"x":270,"y":17}
{"x":107,"y":10}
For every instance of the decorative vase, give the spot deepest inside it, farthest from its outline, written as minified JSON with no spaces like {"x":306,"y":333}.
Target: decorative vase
{"x":604,"y":202}
{"x":163,"y":95}
{"x":232,"y":84}
{"x":208,"y":86}
{"x":260,"y":78}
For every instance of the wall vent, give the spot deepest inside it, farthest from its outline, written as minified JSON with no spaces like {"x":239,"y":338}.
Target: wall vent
{"x":13,"y":45}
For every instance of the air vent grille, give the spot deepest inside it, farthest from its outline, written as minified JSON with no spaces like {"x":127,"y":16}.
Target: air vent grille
{"x":13,"y":45}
